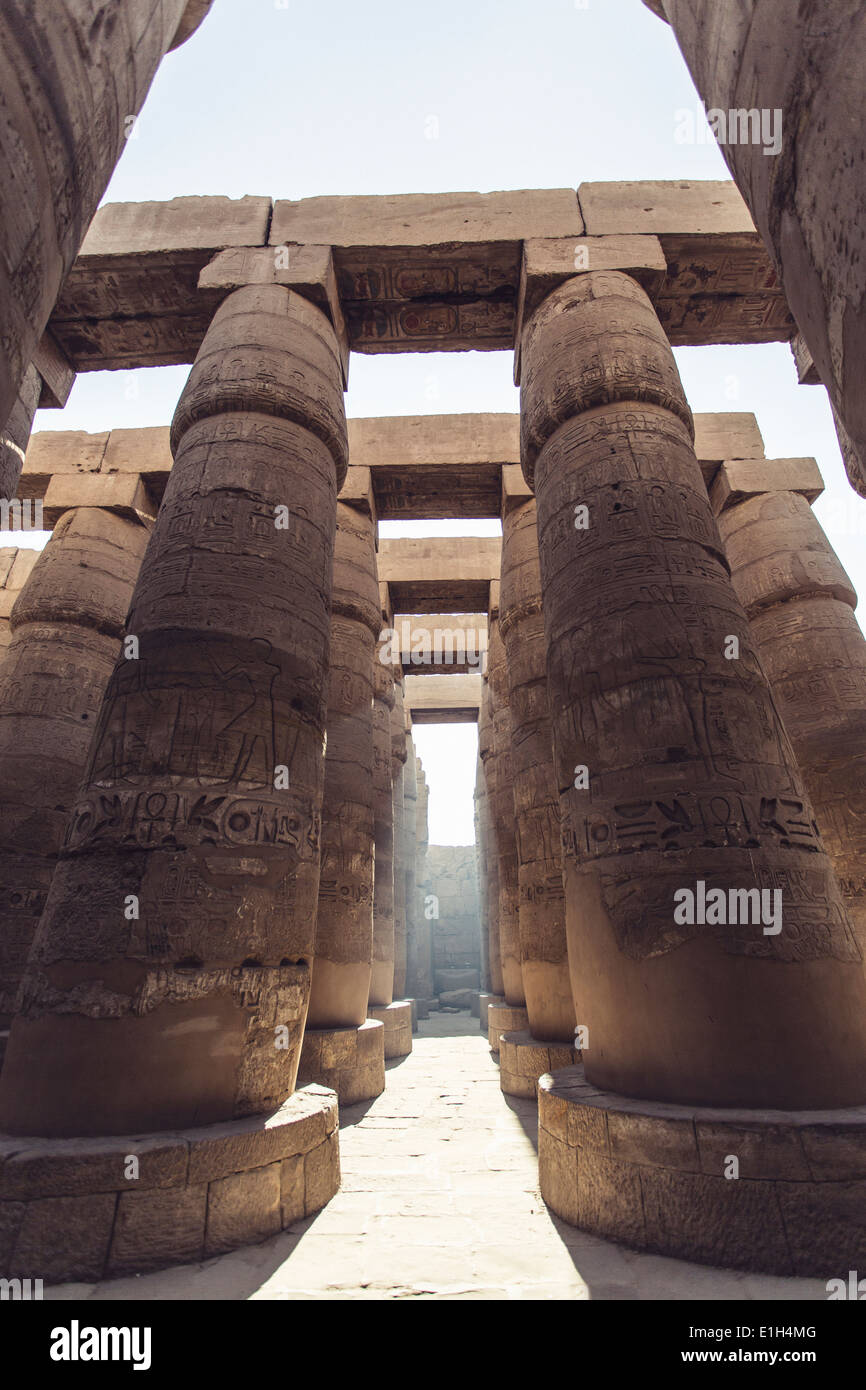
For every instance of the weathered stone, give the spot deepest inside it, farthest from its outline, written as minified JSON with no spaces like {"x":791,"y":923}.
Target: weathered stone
{"x":754,"y":59}
{"x":321,"y":1174}
{"x":691,"y":773}
{"x":490,"y":922}
{"x":382,"y":976}
{"x":15,"y":568}
{"x":243,"y":1209}
{"x":64,"y":1238}
{"x":349,"y":1061}
{"x":152,"y":1020}
{"x":66,"y":629}
{"x":344,"y":925}
{"x":504,"y":827}
{"x":72,"y":79}
{"x":398,"y":762}
{"x":504,"y":1018}
{"x":801,"y":605}
{"x":155,"y":1229}
{"x":524,"y":1058}
{"x":15,"y":436}
{"x":397,"y":1018}
{"x":541,"y":901}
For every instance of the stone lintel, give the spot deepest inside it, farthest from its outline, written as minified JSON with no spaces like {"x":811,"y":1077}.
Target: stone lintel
{"x":309,"y":272}
{"x":178,"y":224}
{"x":682,"y":207}
{"x":440,"y":575}
{"x":420,"y":466}
{"x":739,"y":479}
{"x":515,"y":488}
{"x":443,"y":699}
{"x":357,"y":491}
{"x":807,"y":372}
{"x":123,"y":493}
{"x":546,"y":263}
{"x":450,"y":643}
{"x":57,"y":373}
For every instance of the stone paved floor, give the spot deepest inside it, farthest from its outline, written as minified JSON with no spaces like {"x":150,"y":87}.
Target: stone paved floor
{"x":440,"y":1200}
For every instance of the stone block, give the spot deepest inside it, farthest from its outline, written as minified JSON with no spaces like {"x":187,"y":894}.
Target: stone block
{"x":834,"y":1152}
{"x":123,"y":493}
{"x":243,"y":1209}
{"x":457,"y":998}
{"x":826,"y":1227}
{"x":292,"y":1205}
{"x":155,"y":1229}
{"x":653,"y":1139}
{"x":681,"y":207}
{"x":558,"y":1175}
{"x":764,"y":1149}
{"x":321,"y":1174}
{"x":739,"y":479}
{"x":609,"y":1201}
{"x":714,"y":1220}
{"x":64,"y":1167}
{"x":300,"y":1124}
{"x":425,"y":219}
{"x":63,"y":1238}
{"x":180,"y":224}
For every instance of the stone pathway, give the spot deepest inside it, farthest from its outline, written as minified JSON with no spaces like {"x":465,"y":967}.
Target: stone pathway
{"x":440,"y":1200}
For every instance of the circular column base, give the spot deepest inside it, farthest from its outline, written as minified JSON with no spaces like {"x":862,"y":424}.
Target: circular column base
{"x":505,"y":1018}
{"x":90,"y":1209}
{"x":484,"y":1001}
{"x":773,"y":1191}
{"x":397,"y":1018}
{"x":523,"y":1059}
{"x":475,"y":1007}
{"x":351,"y":1061}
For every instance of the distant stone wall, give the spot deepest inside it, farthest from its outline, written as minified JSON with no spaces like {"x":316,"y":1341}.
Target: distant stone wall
{"x":453,"y":875}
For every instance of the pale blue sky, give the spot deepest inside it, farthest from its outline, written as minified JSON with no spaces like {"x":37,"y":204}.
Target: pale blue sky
{"x":332,"y":96}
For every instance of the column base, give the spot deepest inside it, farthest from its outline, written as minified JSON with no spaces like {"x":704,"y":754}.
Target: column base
{"x":351,"y":1061}
{"x":653,"y":1176}
{"x":523,"y":1059}
{"x":485,"y":999}
{"x":397,"y":1018}
{"x":414,"y":1006}
{"x":505,"y":1018}
{"x":68,"y":1210}
{"x":475,"y":1007}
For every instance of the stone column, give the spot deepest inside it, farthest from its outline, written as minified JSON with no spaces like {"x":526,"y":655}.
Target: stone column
{"x":800,"y":603}
{"x":397,"y":1016}
{"x":342,"y":1049}
{"x":15,"y":437}
{"x":490,"y":919}
{"x":382,"y":978}
{"x":691,"y":776}
{"x":423,"y":929}
{"x":512,"y":1015}
{"x":695,"y":983}
{"x":398,"y":764}
{"x":410,"y":849}
{"x":66,"y":628}
{"x":480,"y":798}
{"x":170,"y":976}
{"x":548,"y":1042}
{"x":801,"y":173}
{"x":73,"y":77}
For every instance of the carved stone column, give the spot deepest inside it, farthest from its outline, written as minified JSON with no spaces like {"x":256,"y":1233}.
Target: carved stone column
{"x":543,"y":947}
{"x":170,"y":975}
{"x":527,"y":1054}
{"x":342,"y":1049}
{"x":397,"y":1016}
{"x":423,"y":926}
{"x":382,"y":978}
{"x":511,"y":1015}
{"x":480,"y":799}
{"x":801,"y":604}
{"x":16,"y":566}
{"x":694,"y":810}
{"x":490,"y":920}
{"x":410,"y":850}
{"x":73,"y":77}
{"x":66,"y":628}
